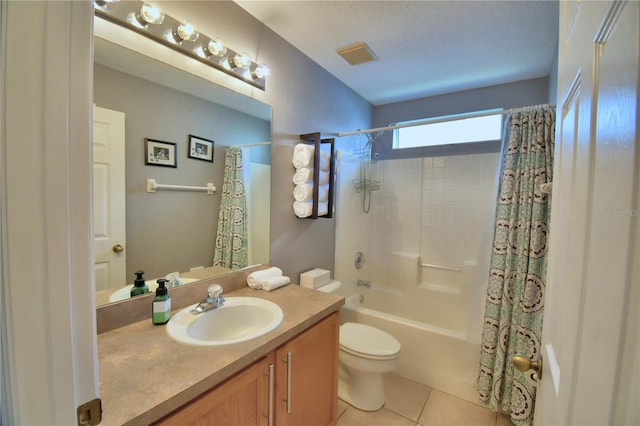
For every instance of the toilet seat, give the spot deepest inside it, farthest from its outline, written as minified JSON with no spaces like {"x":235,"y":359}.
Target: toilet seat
{"x":368,"y":342}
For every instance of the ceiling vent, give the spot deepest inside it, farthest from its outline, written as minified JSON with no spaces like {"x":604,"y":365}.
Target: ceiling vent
{"x":357,"y":53}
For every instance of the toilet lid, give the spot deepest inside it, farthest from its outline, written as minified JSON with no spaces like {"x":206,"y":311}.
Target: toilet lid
{"x":367,"y":340}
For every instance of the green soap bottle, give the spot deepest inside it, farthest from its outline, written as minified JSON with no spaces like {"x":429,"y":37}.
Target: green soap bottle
{"x":139,"y":286}
{"x":161,"y":307}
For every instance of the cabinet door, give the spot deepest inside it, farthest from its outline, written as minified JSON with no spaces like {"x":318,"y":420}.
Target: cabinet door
{"x":241,"y":400}
{"x":307,"y":376}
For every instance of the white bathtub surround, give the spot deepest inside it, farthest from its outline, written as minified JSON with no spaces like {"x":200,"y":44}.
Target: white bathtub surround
{"x":435,"y":209}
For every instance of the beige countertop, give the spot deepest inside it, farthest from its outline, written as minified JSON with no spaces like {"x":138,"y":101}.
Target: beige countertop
{"x":145,"y":374}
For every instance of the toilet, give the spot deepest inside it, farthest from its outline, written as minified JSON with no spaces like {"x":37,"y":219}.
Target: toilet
{"x":365,"y":353}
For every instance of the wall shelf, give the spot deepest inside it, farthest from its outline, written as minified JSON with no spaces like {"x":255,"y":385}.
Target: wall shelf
{"x":315,"y":140}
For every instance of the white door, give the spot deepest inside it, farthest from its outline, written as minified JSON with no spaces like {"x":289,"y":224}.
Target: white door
{"x":48,"y":327}
{"x":108,"y":199}
{"x":590,"y":336}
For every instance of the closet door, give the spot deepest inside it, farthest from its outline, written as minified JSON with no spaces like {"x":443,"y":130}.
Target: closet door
{"x":590,"y":342}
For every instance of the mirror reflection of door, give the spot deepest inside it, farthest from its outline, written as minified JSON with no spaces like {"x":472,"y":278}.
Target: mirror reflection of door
{"x":109,"y":217}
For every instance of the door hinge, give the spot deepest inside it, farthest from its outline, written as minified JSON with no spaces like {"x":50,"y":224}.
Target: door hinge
{"x":90,"y":413}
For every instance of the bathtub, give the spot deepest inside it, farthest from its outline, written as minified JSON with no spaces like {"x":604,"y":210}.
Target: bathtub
{"x":431,"y":354}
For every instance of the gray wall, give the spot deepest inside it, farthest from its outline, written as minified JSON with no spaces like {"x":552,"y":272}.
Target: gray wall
{"x":171,"y":230}
{"x":553,"y":79}
{"x":511,"y":95}
{"x":305,"y":98}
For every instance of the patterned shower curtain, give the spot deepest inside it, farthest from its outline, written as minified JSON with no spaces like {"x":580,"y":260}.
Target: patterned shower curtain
{"x":231,"y":239}
{"x":515,"y":294}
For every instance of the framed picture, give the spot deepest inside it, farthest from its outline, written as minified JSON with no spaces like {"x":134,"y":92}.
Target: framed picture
{"x":200,"y":148}
{"x":159,"y":153}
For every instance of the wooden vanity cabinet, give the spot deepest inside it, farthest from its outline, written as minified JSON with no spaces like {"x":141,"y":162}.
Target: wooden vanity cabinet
{"x":307,"y":376}
{"x":241,"y":400}
{"x":305,"y":385}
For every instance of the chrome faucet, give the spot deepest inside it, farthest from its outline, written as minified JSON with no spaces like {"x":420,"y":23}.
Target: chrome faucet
{"x":363,"y":283}
{"x":174,"y":280}
{"x":213,"y":300}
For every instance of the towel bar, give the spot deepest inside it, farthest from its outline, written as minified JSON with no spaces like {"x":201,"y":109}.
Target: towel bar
{"x":152,"y":185}
{"x":442,"y":267}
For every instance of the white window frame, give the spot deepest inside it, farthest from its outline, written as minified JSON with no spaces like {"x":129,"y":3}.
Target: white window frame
{"x":435,"y":129}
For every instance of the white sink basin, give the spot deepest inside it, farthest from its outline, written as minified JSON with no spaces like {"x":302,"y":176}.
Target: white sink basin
{"x":238,"y":320}
{"x":124,"y":293}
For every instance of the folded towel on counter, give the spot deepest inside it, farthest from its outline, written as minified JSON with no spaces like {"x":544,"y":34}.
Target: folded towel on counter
{"x":303,"y":155}
{"x":274,"y":282}
{"x":255,"y":278}
{"x":304,"y":209}
{"x":305,"y":192}
{"x":303,"y":175}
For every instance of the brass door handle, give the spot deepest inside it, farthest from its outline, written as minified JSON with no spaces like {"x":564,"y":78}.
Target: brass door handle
{"x":524,"y":363}
{"x":118,"y":248}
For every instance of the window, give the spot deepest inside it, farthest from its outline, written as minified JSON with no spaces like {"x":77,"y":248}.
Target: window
{"x":451,"y":131}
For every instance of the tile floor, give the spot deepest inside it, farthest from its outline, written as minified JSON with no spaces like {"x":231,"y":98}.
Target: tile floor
{"x":412,"y":404}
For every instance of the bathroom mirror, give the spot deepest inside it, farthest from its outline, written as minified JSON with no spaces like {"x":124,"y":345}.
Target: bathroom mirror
{"x":169,"y":230}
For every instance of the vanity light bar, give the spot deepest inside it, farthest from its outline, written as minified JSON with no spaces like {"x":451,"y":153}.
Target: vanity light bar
{"x":182,"y":37}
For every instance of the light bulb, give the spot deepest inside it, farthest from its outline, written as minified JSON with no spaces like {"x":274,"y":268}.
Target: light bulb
{"x":242,"y":60}
{"x":187,"y":32}
{"x":151,"y":14}
{"x":262,"y":71}
{"x":217,"y":47}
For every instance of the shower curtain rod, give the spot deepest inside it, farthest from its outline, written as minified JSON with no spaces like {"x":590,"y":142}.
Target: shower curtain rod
{"x":441,"y":120}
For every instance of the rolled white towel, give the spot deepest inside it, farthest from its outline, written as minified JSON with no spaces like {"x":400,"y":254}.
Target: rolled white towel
{"x":305,"y":192}
{"x":325,"y":160}
{"x":323,"y":178}
{"x":323,"y":193}
{"x":304,"y":209}
{"x":323,"y":209}
{"x":303,"y":155}
{"x":303,"y":175}
{"x":274,"y":282}
{"x":254,"y":278}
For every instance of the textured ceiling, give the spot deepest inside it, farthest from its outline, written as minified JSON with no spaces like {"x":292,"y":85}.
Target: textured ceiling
{"x":425,"y":48}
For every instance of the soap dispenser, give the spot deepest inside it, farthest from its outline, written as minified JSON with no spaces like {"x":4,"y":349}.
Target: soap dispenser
{"x":139,"y":286}
{"x":161,"y":308}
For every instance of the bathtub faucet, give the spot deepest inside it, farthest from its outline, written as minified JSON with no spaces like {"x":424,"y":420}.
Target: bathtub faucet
{"x":364,"y":283}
